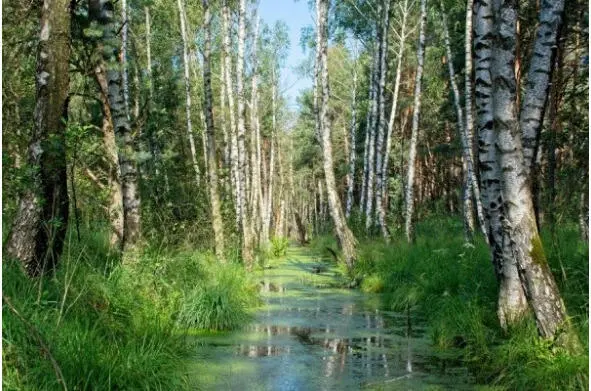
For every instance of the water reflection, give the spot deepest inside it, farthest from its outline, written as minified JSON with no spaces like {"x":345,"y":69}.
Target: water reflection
{"x":308,"y":338}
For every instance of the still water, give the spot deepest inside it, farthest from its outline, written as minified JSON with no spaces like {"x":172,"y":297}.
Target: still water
{"x":312,"y":335}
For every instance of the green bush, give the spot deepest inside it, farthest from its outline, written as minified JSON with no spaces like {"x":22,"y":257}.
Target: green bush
{"x":221,"y":301}
{"x":279,"y":246}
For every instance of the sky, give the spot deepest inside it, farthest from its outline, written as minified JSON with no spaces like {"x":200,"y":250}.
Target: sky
{"x":296,"y":15}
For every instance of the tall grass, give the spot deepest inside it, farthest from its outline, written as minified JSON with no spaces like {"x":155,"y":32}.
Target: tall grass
{"x":108,"y":326}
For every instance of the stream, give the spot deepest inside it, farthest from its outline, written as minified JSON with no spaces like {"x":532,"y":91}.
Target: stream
{"x":312,"y":335}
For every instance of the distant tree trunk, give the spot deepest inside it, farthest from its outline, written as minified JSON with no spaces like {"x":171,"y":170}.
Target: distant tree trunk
{"x":382,"y":206}
{"x":584,"y":215}
{"x":469,"y":124}
{"x":247,"y":238}
{"x":186,"y":66}
{"x":270,"y":178}
{"x":123,"y":54}
{"x":512,"y":303}
{"x":364,"y":182}
{"x":409,"y":196}
{"x":115,"y":208}
{"x":347,"y":240}
{"x":122,"y":128}
{"x":371,"y":129}
{"x":381,"y":123}
{"x":352,"y":144}
{"x":255,"y":142}
{"x":235,"y":173}
{"x":39,"y":228}
{"x":216,"y":214}
{"x":466,"y":157}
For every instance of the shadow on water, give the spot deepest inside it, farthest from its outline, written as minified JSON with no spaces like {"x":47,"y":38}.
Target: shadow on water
{"x":311,"y":338}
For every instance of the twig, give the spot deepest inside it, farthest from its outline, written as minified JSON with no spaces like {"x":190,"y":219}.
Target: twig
{"x":44,"y":347}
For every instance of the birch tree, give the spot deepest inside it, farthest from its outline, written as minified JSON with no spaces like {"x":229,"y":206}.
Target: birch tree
{"x":38,"y":231}
{"x":381,"y":121}
{"x":352,"y":143}
{"x":512,"y":303}
{"x":347,"y":240}
{"x":188,"y":105}
{"x":229,"y":91}
{"x":405,"y":11}
{"x":216,"y":214}
{"x":247,"y":250}
{"x":519,"y":216}
{"x":412,"y":154}
{"x":101,"y":12}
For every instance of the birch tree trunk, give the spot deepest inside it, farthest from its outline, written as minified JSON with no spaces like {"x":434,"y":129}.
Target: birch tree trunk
{"x":381,"y":122}
{"x":227,"y":58}
{"x":364,"y":182}
{"x":123,"y":54}
{"x":512,"y":303}
{"x":216,"y":214}
{"x":247,"y":250}
{"x":519,"y":217}
{"x":186,"y":65}
{"x":538,"y":81}
{"x":469,"y":123}
{"x":115,"y":207}
{"x":347,"y":240}
{"x":123,"y":133}
{"x":39,"y":228}
{"x":352,"y":144}
{"x":405,"y":9}
{"x":466,"y":158}
{"x":371,"y":129}
{"x":255,"y":142}
{"x":409,"y":193}
{"x":270,"y":178}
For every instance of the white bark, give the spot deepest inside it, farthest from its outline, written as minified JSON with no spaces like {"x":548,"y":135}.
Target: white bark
{"x":218,"y":228}
{"x":512,"y":303}
{"x":347,"y":240}
{"x":538,"y":80}
{"x":229,"y":91}
{"x":381,"y":122}
{"x":247,"y":250}
{"x":409,"y":194}
{"x":352,"y":144}
{"x":371,"y":128}
{"x":405,"y":10}
{"x":186,"y":65}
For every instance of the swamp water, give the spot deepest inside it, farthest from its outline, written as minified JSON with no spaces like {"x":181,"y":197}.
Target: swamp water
{"x":311,"y":335}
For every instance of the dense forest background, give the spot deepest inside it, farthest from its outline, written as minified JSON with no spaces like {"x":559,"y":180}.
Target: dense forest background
{"x":152,"y":164}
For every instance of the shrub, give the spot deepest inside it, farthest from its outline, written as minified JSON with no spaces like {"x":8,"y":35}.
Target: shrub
{"x":279,"y":246}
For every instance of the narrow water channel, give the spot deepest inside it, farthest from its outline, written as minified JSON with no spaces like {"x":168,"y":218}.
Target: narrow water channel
{"x":312,"y":335}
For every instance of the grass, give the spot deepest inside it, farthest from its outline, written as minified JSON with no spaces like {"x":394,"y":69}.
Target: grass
{"x":109,"y":326}
{"x":453,"y":285}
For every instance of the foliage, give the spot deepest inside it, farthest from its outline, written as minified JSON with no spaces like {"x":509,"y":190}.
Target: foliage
{"x":279,"y":246}
{"x":221,"y":301}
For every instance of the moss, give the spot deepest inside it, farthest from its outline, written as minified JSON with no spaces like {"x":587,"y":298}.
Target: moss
{"x":537,"y":251}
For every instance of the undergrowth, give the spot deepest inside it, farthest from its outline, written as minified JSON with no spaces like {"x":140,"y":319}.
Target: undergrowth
{"x":109,"y":326}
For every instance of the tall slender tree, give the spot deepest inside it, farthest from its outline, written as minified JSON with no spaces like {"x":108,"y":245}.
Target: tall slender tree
{"x":347,"y":240}
{"x":412,"y":154}
{"x":216,"y":214}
